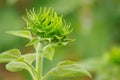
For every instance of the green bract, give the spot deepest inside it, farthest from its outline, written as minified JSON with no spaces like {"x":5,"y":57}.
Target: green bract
{"x":47,"y":24}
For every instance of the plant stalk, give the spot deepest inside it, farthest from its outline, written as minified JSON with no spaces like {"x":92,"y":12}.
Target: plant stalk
{"x":32,"y":70}
{"x":46,"y":75}
{"x":41,"y":68}
{"x":39,"y":62}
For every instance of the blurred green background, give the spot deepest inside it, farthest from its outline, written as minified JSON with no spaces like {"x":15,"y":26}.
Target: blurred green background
{"x":96,"y":25}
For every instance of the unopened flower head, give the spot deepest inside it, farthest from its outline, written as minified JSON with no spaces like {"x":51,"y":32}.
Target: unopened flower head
{"x":47,"y":24}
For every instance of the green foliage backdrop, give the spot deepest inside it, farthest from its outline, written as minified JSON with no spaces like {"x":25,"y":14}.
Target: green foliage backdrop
{"x":96,"y":28}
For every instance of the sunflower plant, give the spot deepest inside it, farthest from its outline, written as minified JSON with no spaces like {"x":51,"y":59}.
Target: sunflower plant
{"x":44,"y":30}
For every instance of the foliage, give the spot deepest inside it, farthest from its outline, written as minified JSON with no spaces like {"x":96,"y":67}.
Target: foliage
{"x":44,"y":30}
{"x":106,"y":67}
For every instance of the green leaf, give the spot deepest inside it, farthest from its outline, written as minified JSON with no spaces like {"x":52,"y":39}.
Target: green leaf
{"x":48,"y":52}
{"x":29,"y":57}
{"x":32,"y":42}
{"x":64,"y":43}
{"x":21,"y":33}
{"x":9,"y":55}
{"x":15,"y":66}
{"x":91,"y":64}
{"x":45,"y":39}
{"x":69,"y":69}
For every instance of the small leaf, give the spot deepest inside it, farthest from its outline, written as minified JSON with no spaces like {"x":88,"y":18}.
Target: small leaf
{"x":64,"y":43}
{"x":48,"y":52}
{"x":15,"y":66}
{"x":9,"y":55}
{"x":69,"y":69}
{"x":29,"y":57}
{"x":21,"y":33}
{"x":58,"y":37}
{"x":32,"y":42}
{"x":45,"y":39}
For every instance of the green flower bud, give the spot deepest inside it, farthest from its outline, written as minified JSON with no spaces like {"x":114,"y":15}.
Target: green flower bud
{"x":47,"y":24}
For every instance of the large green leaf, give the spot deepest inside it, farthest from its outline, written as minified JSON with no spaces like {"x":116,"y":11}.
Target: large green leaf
{"x":69,"y":69}
{"x":16,"y":66}
{"x":9,"y":55}
{"x":48,"y":52}
{"x":91,"y":64}
{"x":21,"y":33}
{"x":29,"y":57}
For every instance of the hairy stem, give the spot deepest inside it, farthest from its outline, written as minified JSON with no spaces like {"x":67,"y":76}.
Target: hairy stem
{"x":41,"y":67}
{"x":46,"y":75}
{"x":39,"y":61}
{"x":32,"y":75}
{"x":31,"y":70}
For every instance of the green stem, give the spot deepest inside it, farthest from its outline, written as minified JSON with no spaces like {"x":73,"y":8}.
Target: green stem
{"x":32,"y":70}
{"x":47,"y":74}
{"x":39,"y":61}
{"x":31,"y":73}
{"x":41,"y":66}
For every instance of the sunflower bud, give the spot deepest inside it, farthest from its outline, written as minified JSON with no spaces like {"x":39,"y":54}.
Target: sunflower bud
{"x":47,"y":24}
